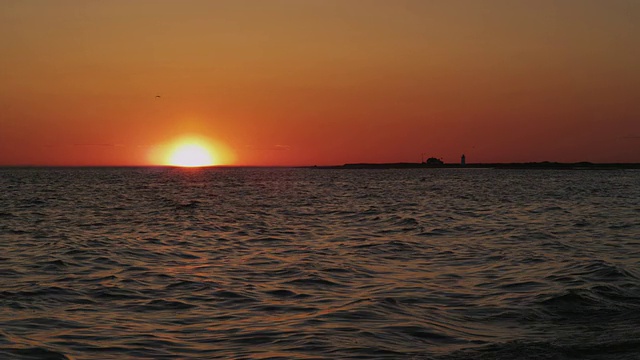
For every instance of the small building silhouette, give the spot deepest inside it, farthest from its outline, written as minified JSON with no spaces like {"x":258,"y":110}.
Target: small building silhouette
{"x":463,"y":160}
{"x":434,"y":161}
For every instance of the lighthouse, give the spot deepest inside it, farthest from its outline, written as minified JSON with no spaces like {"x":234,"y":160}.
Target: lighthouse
{"x":463,"y":160}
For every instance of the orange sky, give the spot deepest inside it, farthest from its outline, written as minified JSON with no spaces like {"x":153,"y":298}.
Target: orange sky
{"x":290,"y":82}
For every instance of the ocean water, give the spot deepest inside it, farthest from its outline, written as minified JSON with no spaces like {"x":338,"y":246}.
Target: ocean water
{"x":166,"y":263}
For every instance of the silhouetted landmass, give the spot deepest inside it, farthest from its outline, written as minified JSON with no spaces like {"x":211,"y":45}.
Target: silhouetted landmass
{"x":527,"y":165}
{"x":434,"y":161}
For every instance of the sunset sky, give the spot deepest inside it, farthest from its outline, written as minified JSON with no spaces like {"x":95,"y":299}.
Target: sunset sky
{"x":319,"y":82}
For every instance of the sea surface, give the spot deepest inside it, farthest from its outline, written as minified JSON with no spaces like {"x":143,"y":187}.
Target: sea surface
{"x":170,"y":263}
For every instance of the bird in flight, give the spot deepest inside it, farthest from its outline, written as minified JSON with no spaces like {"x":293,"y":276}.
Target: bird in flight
{"x":157,"y":96}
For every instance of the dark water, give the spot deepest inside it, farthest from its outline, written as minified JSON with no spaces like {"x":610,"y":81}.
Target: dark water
{"x":329,"y":264}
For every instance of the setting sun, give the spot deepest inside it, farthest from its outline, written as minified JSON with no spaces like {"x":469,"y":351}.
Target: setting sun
{"x":191,"y":155}
{"x":191,"y":151}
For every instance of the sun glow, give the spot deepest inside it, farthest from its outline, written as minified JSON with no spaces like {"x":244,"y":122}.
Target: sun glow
{"x":191,"y":153}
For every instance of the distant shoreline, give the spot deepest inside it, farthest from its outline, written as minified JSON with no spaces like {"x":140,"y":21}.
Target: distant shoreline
{"x":528,"y":165}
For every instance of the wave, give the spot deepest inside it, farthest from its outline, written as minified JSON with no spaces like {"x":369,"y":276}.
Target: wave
{"x":32,"y":353}
{"x":588,"y":349}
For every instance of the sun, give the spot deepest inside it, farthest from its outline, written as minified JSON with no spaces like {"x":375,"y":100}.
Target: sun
{"x":190,"y":154}
{"x":191,"y":151}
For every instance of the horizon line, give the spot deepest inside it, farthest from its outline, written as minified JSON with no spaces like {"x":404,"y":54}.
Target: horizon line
{"x":320,"y":166}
